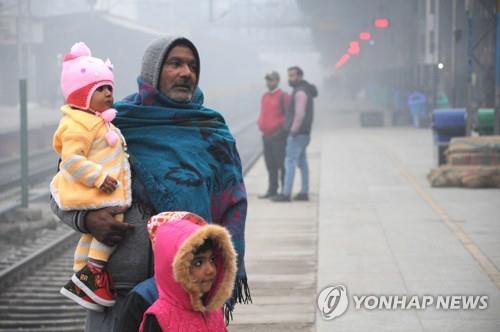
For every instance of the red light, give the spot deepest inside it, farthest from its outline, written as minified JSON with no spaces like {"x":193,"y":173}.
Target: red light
{"x":353,"y":48}
{"x":365,"y":36}
{"x":381,"y":23}
{"x":343,"y":59}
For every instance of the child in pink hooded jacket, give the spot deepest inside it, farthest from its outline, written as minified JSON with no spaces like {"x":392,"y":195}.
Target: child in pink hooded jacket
{"x":194,"y":270}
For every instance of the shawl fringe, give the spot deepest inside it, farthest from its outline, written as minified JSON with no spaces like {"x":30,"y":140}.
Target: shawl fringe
{"x":241,"y":294}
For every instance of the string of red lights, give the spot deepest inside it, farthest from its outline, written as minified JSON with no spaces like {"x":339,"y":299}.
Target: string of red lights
{"x":354,"y":46}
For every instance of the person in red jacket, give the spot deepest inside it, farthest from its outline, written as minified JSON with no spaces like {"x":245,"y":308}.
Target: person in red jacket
{"x":270,"y":122}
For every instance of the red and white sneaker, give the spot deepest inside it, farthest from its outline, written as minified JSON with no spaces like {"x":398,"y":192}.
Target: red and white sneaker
{"x":72,"y":292}
{"x":96,"y":283}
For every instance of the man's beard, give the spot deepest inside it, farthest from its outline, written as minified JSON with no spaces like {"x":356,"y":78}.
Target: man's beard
{"x":182,"y":91}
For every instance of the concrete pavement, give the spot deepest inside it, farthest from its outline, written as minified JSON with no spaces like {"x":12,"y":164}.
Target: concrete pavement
{"x":375,"y":226}
{"x":281,"y":242}
{"x":384,"y":231}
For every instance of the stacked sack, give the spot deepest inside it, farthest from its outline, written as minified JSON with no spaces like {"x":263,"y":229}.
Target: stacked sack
{"x":472,"y":162}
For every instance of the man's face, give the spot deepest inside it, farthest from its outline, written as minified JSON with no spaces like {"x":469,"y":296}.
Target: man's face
{"x":271,"y":84}
{"x":178,"y":74}
{"x":293,"y":77}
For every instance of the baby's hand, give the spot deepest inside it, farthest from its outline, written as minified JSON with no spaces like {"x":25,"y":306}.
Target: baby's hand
{"x":109,"y":185}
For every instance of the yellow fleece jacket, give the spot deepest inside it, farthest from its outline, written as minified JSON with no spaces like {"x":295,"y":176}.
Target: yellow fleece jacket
{"x":86,"y":160}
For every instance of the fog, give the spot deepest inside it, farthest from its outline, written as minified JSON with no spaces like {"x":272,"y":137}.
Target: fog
{"x":239,"y":41}
{"x":435,"y":48}
{"x":371,"y":216}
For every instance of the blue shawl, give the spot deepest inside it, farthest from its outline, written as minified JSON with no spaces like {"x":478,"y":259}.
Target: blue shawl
{"x":185,"y":158}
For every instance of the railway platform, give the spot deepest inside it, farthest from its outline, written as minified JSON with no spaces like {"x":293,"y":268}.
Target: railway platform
{"x":376,"y":227}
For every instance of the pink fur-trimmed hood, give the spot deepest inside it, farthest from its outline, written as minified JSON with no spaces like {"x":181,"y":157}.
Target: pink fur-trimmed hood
{"x":180,"y":305}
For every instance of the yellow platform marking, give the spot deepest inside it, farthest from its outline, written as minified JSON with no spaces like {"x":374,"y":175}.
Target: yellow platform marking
{"x":486,"y":264}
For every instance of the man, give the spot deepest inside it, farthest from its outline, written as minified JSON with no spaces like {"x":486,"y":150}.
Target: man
{"x":270,"y":122}
{"x":183,"y":158}
{"x":298,"y":122}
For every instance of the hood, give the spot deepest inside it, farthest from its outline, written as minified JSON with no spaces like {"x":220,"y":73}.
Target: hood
{"x":155,"y":54}
{"x":173,"y":254}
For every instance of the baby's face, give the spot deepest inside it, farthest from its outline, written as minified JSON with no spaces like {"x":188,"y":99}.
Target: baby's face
{"x":102,"y":99}
{"x":203,"y":270}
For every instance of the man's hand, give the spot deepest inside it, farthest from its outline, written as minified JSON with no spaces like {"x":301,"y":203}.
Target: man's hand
{"x":109,"y":185}
{"x":103,"y":226}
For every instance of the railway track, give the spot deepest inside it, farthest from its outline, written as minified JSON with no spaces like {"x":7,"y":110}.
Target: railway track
{"x":33,"y":303}
{"x":41,"y":165}
{"x":31,"y":277}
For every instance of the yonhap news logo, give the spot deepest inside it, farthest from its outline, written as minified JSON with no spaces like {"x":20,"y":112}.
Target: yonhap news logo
{"x":333,"y":301}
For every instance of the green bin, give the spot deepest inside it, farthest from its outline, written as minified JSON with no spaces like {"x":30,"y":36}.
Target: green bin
{"x":485,"y":121}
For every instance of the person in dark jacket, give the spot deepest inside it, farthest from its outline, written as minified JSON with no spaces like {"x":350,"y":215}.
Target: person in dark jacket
{"x":298,"y":123}
{"x":270,"y":122}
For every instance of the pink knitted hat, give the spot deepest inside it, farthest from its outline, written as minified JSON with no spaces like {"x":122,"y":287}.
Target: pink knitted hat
{"x":82,"y":74}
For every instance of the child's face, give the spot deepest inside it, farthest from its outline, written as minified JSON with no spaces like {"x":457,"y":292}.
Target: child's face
{"x":203,"y":270}
{"x":102,"y":99}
